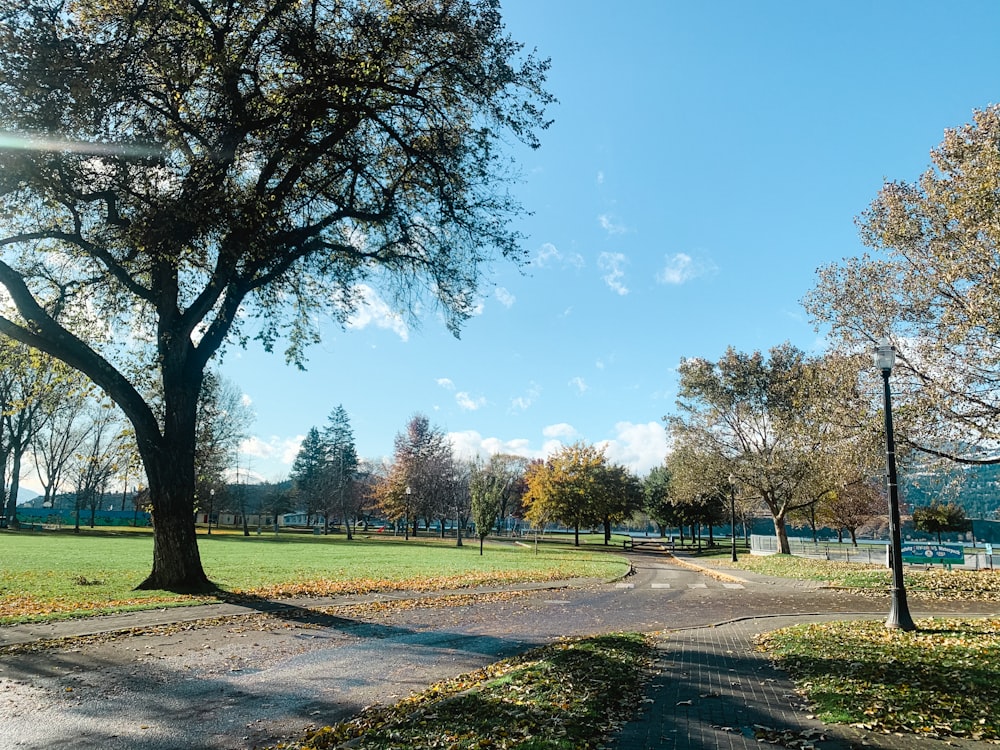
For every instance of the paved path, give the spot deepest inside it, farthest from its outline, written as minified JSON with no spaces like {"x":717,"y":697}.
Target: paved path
{"x":715,"y":689}
{"x":242,"y":684}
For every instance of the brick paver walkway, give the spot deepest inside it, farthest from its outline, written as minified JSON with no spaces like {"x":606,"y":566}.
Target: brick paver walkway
{"x":716,"y":690}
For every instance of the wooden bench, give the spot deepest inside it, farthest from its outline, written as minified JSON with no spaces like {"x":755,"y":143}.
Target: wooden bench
{"x":646,"y":545}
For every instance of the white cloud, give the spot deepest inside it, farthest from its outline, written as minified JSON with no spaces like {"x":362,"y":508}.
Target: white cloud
{"x":373,"y":310}
{"x":549,"y":255}
{"x":246,"y":400}
{"x":600,"y":177}
{"x":522,"y":403}
{"x":504,"y":297}
{"x":468,"y":403}
{"x":681,"y":268}
{"x":278,"y":449}
{"x":561,"y":430}
{"x":609,"y":225}
{"x":470,"y":444}
{"x":580,"y":384}
{"x":640,"y":447}
{"x":611,"y":264}
{"x":446,"y":383}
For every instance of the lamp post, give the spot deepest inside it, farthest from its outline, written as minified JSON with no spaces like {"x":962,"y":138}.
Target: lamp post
{"x":732,"y":511}
{"x":899,"y":613}
{"x":406,"y":514}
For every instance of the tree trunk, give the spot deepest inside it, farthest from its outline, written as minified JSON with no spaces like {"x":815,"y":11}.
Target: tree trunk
{"x":481,"y":539}
{"x":782,"y":534}
{"x":15,"y":478}
{"x":176,"y":559}
{"x":576,"y":535}
{"x":169,"y":463}
{"x":607,"y":531}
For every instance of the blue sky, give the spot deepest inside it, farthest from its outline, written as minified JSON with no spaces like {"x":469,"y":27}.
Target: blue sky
{"x":706,"y":159}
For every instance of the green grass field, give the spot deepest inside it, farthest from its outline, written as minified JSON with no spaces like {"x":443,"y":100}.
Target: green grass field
{"x":939,"y":680}
{"x":48,"y":575}
{"x":934,"y":583}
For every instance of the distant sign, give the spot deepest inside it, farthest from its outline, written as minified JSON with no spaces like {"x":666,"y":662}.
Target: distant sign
{"x":940,"y":554}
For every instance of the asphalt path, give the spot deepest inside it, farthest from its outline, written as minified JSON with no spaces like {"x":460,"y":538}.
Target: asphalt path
{"x":247,"y":680}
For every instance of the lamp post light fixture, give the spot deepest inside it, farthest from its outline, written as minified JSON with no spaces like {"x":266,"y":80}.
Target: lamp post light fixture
{"x":899,"y":613}
{"x":732,"y":510}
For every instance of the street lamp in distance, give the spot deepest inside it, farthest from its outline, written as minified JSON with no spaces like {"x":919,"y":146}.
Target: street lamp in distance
{"x":899,"y":613}
{"x":732,"y":510}
{"x":406,"y":514}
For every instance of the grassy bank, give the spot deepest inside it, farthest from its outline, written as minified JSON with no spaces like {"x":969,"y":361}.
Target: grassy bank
{"x":933,"y":583}
{"x":938,"y":681}
{"x":48,"y":575}
{"x":554,"y":697}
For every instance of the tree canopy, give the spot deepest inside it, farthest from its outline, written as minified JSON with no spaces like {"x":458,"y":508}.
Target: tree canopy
{"x":567,"y":487}
{"x":938,"y":518}
{"x":931,"y":285}
{"x":179,"y":175}
{"x":788,"y":427}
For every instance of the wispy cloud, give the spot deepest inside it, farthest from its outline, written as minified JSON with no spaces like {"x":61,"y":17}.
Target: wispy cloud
{"x":579,"y":384}
{"x":373,"y":310}
{"x":446,"y":383}
{"x":600,"y":177}
{"x":549,"y":255}
{"x":469,"y":403}
{"x":681,"y":268}
{"x":611,"y":264}
{"x":609,"y":225}
{"x":504,"y":297}
{"x":524,"y":401}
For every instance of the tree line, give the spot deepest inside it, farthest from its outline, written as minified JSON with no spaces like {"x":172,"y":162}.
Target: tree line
{"x":174,"y":180}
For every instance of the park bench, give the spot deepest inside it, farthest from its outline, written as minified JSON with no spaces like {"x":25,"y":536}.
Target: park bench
{"x":633,"y":544}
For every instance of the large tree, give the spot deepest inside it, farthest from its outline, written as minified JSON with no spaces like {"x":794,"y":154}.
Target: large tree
{"x":308,"y":474}
{"x":30,"y":385}
{"x":930,"y":284}
{"x":172,"y":170}
{"x":567,"y":487}
{"x":341,"y":465}
{"x":940,"y":517}
{"x":619,"y":496}
{"x":486,"y":488}
{"x":773,"y":421}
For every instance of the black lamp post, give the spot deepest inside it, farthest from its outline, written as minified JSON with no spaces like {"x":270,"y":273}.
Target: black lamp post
{"x":406,"y":514}
{"x":732,"y":511}
{"x":899,"y":613}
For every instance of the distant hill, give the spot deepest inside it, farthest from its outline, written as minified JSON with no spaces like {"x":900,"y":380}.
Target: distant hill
{"x":24,"y":495}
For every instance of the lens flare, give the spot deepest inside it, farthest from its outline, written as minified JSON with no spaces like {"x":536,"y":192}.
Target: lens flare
{"x":13,"y":142}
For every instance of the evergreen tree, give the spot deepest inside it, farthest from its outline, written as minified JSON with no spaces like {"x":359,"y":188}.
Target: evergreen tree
{"x":340,"y":466}
{"x":307,"y":472}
